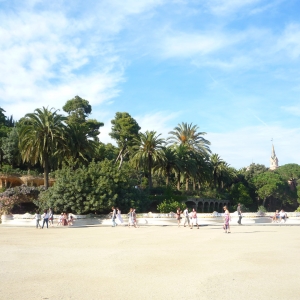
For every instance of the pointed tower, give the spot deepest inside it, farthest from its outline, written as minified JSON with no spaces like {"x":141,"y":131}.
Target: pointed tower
{"x":273,"y":160}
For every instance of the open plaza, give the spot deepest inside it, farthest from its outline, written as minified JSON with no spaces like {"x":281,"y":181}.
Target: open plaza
{"x":150,"y":262}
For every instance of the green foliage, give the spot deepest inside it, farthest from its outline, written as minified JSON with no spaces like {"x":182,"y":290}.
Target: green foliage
{"x":170,"y":205}
{"x":94,"y":188}
{"x":298,"y":209}
{"x":262,"y":209}
{"x":240,"y":194}
{"x":11,"y":153}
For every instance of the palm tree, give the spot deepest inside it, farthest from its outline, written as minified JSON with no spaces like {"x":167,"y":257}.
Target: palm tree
{"x":41,"y":135}
{"x":186,"y":134}
{"x":147,"y":151}
{"x":217,"y":165}
{"x":80,"y":146}
{"x":168,"y":164}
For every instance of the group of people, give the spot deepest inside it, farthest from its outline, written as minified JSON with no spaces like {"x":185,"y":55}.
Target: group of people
{"x":47,"y":218}
{"x":117,"y":218}
{"x":279,"y":216}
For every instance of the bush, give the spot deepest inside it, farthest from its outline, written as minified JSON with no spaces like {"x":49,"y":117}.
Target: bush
{"x":298,"y":209}
{"x":170,"y":206}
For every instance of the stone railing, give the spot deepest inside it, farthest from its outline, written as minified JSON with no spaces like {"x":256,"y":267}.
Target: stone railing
{"x":158,"y":219}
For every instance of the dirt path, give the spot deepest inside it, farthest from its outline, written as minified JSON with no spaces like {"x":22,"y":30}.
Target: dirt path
{"x":150,"y":263}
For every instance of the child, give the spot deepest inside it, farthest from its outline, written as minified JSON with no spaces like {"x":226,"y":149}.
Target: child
{"x":60,"y":219}
{"x":37,"y":217}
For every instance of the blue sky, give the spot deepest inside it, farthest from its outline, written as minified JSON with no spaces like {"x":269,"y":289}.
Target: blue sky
{"x":231,"y":67}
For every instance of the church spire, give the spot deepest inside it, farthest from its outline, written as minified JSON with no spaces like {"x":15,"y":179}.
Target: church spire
{"x":274,"y":159}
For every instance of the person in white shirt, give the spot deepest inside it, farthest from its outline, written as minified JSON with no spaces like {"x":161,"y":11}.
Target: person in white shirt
{"x":186,"y":217}
{"x":45,"y":218}
{"x":283,"y":215}
{"x":37,"y":217}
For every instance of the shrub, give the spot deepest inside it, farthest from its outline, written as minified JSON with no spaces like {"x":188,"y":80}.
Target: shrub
{"x":170,"y":206}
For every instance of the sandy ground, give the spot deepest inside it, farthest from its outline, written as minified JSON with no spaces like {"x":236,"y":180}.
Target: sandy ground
{"x":253,"y":262}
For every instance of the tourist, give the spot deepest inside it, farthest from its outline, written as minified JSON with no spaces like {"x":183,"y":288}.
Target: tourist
{"x":178,"y":213}
{"x":50,"y":216}
{"x":65,"y":219}
{"x":186,"y":216}
{"x":226,"y":226}
{"x":283,"y":216}
{"x":276,"y":217}
{"x":194,"y":218}
{"x":113,"y":217}
{"x":70,"y":220}
{"x":60,"y":220}
{"x":134,"y":218}
{"x":45,"y":218}
{"x":37,"y":218}
{"x":239,"y":211}
{"x":130,"y":218}
{"x":119,"y":219}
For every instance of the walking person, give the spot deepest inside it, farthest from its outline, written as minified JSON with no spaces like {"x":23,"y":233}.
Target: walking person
{"x":37,"y":218}
{"x":113,"y":217}
{"x":130,"y":218}
{"x":226,"y":226}
{"x":178,"y":217}
{"x":186,"y":217}
{"x":119,"y":219}
{"x":45,"y":218}
{"x":239,"y":211}
{"x":134,"y":218}
{"x":50,"y":217}
{"x":194,"y":219}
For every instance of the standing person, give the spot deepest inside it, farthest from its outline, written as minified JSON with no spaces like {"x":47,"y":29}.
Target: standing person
{"x":50,"y":217}
{"x":130,"y":218}
{"x":194,"y":219}
{"x":134,"y":218}
{"x":119,"y":219}
{"x":113,"y":217}
{"x":226,"y":226}
{"x":186,"y":217}
{"x":283,"y":215}
{"x":178,"y":213}
{"x":65,"y":219}
{"x":37,"y":218}
{"x":239,"y":211}
{"x":60,"y":219}
{"x":45,"y":218}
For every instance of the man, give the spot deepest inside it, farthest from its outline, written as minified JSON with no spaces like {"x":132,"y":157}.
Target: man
{"x":186,"y":216}
{"x":239,"y":211}
{"x":113,"y":217}
{"x":283,"y":215}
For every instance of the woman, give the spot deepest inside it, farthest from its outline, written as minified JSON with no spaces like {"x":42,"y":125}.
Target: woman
{"x":50,"y":217}
{"x":45,"y":218}
{"x":194,"y":218}
{"x":119,"y":219}
{"x":276,"y":216}
{"x":178,"y":213}
{"x":65,"y":219}
{"x":227,"y":218}
{"x":130,"y":218}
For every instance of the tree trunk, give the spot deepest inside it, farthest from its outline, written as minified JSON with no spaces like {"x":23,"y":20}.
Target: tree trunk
{"x":187,"y":183}
{"x":178,"y":181}
{"x":149,"y":170}
{"x":46,"y":172}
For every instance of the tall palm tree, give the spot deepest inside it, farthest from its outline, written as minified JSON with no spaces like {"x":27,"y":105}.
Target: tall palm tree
{"x":80,"y":146}
{"x":217,"y":165}
{"x":187,"y":134}
{"x":147,"y":150}
{"x":41,"y":135}
{"x":168,"y":164}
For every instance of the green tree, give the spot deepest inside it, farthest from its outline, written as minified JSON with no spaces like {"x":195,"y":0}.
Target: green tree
{"x":94,"y":188}
{"x":187,"y":134}
{"x":78,"y":110}
{"x":125,"y":130}
{"x":240,"y":194}
{"x":147,"y":151}
{"x":41,"y":135}
{"x":11,"y":153}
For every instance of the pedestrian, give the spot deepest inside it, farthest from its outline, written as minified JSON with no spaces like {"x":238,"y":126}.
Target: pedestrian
{"x":130,"y":218}
{"x":60,"y":220}
{"x":134,"y":218}
{"x":283,"y":216}
{"x":113,"y":217}
{"x":178,"y":217}
{"x":50,"y":217}
{"x":45,"y":218}
{"x":119,"y":219}
{"x":226,"y":226}
{"x":186,"y":217}
{"x":194,"y":219}
{"x":239,"y":211}
{"x":37,"y":218}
